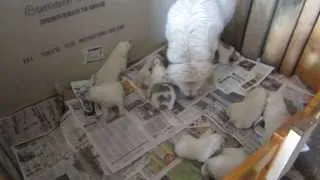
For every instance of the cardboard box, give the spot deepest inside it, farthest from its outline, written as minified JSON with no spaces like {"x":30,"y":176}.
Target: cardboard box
{"x":42,"y":41}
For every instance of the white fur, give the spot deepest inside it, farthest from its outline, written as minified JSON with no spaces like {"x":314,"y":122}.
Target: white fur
{"x":220,"y":165}
{"x":194,"y":26}
{"x":245,"y":113}
{"x":198,"y":149}
{"x":193,"y":30}
{"x":191,"y":78}
{"x":108,"y":94}
{"x":116,"y":63}
{"x":152,"y":72}
{"x":275,"y":114}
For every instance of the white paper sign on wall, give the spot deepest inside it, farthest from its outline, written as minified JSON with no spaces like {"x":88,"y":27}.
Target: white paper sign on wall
{"x":93,"y":54}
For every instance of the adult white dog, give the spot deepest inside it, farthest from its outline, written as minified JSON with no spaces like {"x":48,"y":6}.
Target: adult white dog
{"x":194,"y":27}
{"x":193,"y":30}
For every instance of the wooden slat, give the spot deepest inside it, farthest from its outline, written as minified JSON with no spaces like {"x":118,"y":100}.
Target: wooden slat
{"x":234,"y":31}
{"x":309,"y":65}
{"x":282,"y":27}
{"x":303,"y":29}
{"x":259,"y":19}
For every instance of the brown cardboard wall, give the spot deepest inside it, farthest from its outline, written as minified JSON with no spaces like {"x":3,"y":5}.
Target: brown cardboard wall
{"x":41,"y":41}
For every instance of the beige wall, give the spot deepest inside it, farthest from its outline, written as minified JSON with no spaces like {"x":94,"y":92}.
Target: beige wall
{"x":24,"y":81}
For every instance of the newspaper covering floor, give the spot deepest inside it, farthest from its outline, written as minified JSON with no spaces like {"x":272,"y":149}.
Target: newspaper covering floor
{"x":88,"y":142}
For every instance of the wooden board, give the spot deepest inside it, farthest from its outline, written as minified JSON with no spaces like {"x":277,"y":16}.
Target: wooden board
{"x":300,"y":36}
{"x":257,"y":28}
{"x":282,"y":27}
{"x":234,"y":31}
{"x":309,"y":65}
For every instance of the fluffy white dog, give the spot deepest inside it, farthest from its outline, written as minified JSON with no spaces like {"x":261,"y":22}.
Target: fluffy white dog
{"x":108,"y":95}
{"x":244,"y":114}
{"x":116,"y":63}
{"x":194,"y":27}
{"x":191,"y":78}
{"x":222,"y":164}
{"x":198,"y":149}
{"x":108,"y":91}
{"x":193,"y":30}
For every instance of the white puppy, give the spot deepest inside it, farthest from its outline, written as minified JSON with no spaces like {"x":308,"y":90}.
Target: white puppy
{"x":191,"y":78}
{"x":158,"y":72}
{"x":151,"y":72}
{"x":108,"y":95}
{"x":108,"y":91}
{"x":220,"y":165}
{"x":245,"y":113}
{"x":116,"y":63}
{"x":198,"y":149}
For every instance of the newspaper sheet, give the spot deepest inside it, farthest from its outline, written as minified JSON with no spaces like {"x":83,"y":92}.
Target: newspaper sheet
{"x":244,"y":75}
{"x":28,"y":123}
{"x":80,"y":144}
{"x":64,"y":153}
{"x":44,"y":152}
{"x":31,"y":121}
{"x":50,"y":157}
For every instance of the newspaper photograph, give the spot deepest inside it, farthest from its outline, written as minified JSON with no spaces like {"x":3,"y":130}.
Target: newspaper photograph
{"x":160,"y":159}
{"x":273,"y":82}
